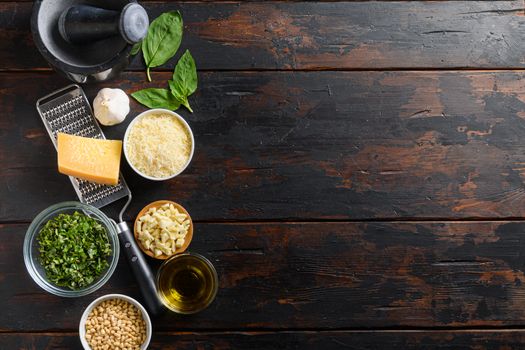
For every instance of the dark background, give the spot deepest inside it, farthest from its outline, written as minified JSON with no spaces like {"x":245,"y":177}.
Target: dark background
{"x":357,"y":178}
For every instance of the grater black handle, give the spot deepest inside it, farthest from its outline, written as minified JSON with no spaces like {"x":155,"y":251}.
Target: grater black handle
{"x":141,"y":269}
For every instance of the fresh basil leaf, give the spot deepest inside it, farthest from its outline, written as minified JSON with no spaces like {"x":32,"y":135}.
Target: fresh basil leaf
{"x":185,"y":74}
{"x":176,"y":91}
{"x":185,"y":80}
{"x":136,"y":48}
{"x":163,"y":40}
{"x":156,"y":98}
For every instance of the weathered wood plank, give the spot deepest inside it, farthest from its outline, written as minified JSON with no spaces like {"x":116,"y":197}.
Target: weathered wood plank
{"x":241,"y":1}
{"x":357,"y":340}
{"x":321,"y":35}
{"x":323,"y":145}
{"x":316,"y":275}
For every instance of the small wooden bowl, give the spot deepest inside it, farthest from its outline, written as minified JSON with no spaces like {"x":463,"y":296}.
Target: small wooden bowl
{"x":187,"y":240}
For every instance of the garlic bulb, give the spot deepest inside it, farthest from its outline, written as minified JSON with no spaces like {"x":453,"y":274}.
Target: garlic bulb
{"x":111,"y":106}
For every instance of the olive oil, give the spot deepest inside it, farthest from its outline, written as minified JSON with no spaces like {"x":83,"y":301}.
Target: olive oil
{"x":187,"y":283}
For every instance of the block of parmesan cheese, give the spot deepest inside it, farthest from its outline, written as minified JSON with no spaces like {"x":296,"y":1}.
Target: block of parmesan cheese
{"x":89,"y":159}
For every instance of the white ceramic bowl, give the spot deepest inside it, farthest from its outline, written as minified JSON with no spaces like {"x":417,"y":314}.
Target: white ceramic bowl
{"x":82,"y":325}
{"x":158,"y":111}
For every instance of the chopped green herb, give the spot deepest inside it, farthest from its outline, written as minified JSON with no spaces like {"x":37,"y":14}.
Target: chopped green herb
{"x":73,"y":250}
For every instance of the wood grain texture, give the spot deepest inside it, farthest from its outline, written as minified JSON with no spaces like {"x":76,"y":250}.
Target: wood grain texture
{"x":316,"y":276}
{"x":320,"y":35}
{"x":308,"y":146}
{"x":356,"y":340}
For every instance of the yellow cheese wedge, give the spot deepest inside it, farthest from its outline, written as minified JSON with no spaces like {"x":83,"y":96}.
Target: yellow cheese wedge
{"x":89,"y":159}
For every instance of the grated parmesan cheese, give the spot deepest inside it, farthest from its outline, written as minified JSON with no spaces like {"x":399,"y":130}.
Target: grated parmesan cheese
{"x":158,"y":145}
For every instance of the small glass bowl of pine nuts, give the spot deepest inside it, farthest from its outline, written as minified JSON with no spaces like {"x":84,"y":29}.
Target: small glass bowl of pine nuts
{"x":115,"y":322}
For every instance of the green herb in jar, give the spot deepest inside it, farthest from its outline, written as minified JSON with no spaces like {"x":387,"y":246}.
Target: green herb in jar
{"x":73,"y":250}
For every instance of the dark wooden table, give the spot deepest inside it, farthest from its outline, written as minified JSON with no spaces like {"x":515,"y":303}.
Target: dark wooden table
{"x":358,"y":179}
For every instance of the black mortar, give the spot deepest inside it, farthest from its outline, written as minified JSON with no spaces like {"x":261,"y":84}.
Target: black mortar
{"x":93,"y":61}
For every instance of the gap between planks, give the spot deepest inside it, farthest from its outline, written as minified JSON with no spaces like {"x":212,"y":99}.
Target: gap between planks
{"x":305,"y":70}
{"x":279,"y":1}
{"x":295,"y":221}
{"x":261,"y":331}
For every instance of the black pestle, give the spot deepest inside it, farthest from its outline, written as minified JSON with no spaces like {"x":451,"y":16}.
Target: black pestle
{"x":82,"y":24}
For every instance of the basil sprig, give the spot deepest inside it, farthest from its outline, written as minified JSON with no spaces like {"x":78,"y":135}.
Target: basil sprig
{"x":160,"y":44}
{"x":183,"y":84}
{"x":162,"y":40}
{"x":184,"y":81}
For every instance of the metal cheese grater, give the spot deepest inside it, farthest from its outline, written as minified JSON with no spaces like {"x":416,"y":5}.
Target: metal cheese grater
{"x":67,"y":110}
